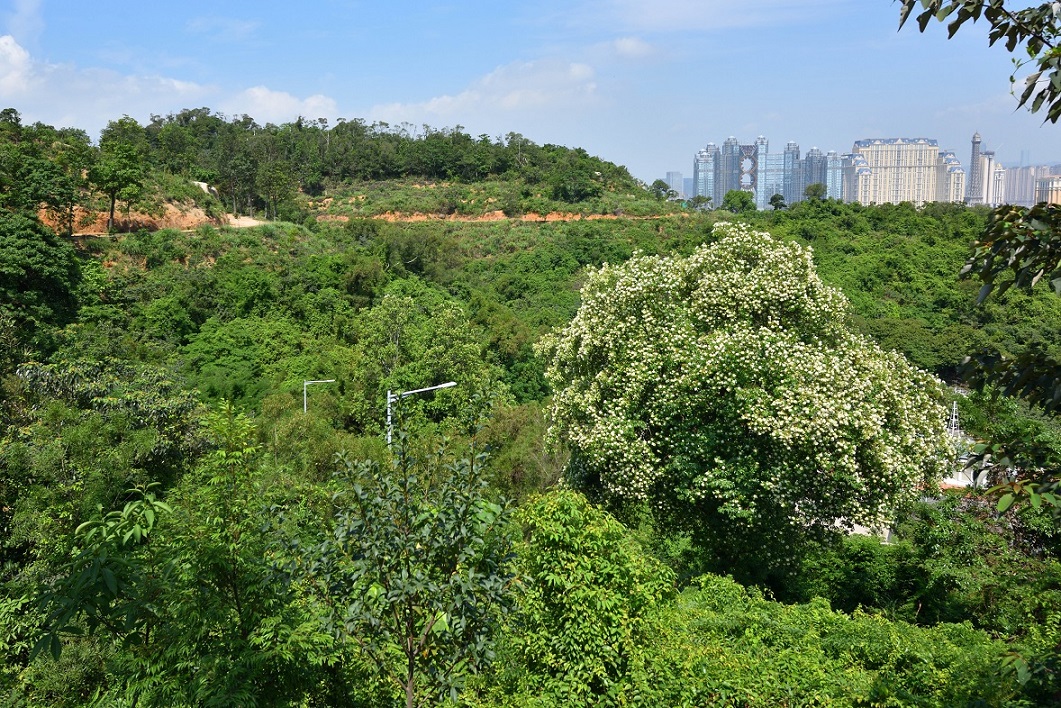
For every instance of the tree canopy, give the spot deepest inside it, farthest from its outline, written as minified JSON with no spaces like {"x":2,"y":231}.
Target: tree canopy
{"x":738,"y":201}
{"x":728,"y":381}
{"x":38,"y":274}
{"x":815,"y":191}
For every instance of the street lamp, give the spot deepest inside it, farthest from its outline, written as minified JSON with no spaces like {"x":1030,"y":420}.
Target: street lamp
{"x":308,"y":383}
{"x":392,"y":397}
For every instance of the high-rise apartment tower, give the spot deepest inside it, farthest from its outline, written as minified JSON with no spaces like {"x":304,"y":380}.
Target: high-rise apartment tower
{"x":893,"y":170}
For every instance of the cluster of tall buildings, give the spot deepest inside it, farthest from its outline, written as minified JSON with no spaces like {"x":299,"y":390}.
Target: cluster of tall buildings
{"x":992,"y":184}
{"x":876,"y":171}
{"x":753,"y":168}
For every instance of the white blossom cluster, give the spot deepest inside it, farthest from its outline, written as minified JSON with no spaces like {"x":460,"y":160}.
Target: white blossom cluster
{"x":730,"y":376}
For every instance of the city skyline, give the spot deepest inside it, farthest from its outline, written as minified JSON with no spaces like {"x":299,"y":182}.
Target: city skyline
{"x":1023,"y":161}
{"x":875,"y":170}
{"x":634,"y":82}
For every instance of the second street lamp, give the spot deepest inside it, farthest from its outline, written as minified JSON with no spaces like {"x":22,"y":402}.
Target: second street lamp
{"x":305,"y":384}
{"x":392,"y":397}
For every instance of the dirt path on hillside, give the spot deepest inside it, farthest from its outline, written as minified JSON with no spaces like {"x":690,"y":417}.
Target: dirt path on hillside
{"x":242,"y":222}
{"x":189,"y":219}
{"x":171,"y":217}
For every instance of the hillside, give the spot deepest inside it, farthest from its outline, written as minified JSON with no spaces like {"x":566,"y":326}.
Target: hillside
{"x":199,"y":505}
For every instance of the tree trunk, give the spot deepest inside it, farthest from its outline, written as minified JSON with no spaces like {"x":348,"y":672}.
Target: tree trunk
{"x":410,"y":684}
{"x":110,"y":219}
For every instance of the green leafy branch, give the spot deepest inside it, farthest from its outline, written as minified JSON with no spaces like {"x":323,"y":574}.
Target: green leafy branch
{"x":99,"y":586}
{"x":414,"y":570}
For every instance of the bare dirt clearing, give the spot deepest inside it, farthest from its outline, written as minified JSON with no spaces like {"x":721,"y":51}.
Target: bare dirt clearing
{"x":191,"y":218}
{"x":171,"y":217}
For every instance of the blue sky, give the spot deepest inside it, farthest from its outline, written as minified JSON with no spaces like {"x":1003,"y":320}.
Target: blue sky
{"x":638,"y":82}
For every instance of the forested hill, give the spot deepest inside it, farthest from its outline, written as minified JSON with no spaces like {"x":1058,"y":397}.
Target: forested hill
{"x":209,"y":496}
{"x":272,"y":170}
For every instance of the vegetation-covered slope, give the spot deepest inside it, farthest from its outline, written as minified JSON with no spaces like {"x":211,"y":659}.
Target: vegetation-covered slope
{"x":154,"y":383}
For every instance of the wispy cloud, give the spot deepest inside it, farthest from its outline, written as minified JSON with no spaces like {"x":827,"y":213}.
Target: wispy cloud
{"x":632,"y":48}
{"x":996,"y":104}
{"x":223,"y":28}
{"x":24,"y":21}
{"x":517,"y":88}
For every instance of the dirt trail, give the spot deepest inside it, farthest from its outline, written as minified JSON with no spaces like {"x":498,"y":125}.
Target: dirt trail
{"x":171,"y":217}
{"x":191,"y":218}
{"x":242,"y":222}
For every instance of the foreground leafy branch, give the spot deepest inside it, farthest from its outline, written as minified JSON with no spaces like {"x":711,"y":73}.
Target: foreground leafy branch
{"x":102,"y":584}
{"x":1019,"y":247}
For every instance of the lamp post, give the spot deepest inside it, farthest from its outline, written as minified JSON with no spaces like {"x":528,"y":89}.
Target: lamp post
{"x":392,"y":397}
{"x":306,"y":384}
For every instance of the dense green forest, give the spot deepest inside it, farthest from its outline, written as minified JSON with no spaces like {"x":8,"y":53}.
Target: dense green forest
{"x":176,"y":528}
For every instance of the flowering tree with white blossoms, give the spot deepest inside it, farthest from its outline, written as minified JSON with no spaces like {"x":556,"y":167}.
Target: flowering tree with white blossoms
{"x":728,"y":383}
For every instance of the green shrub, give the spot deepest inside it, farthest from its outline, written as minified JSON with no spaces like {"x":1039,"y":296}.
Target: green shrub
{"x":580,"y":624}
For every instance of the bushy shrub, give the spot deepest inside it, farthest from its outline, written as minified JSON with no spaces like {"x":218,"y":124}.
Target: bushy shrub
{"x":580,"y":622}
{"x":724,"y":645}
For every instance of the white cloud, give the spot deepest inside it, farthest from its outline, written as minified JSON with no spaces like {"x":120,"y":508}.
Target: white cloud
{"x":223,"y":28}
{"x":268,"y":106}
{"x":68,"y":96}
{"x":632,"y":48}
{"x":523,"y":88}
{"x":14,"y":66}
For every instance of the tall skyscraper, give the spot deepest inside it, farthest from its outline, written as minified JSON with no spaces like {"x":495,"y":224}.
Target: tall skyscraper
{"x":706,"y":173}
{"x":994,"y":179}
{"x":793,"y":191}
{"x":856,"y":174}
{"x":770,"y":177}
{"x":814,"y":165}
{"x":1048,"y":189}
{"x":1020,"y":184}
{"x":834,"y":175}
{"x":950,"y":181}
{"x":975,"y":186}
{"x":998,"y":188}
{"x":729,"y":169}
